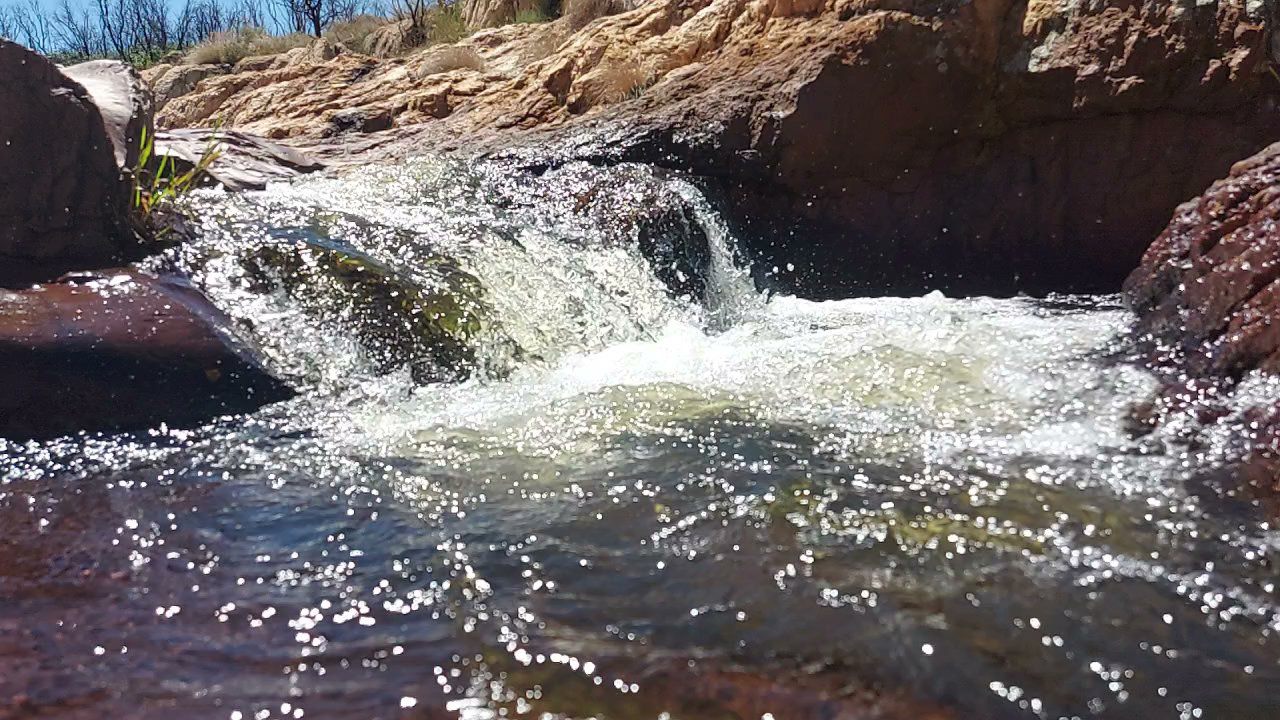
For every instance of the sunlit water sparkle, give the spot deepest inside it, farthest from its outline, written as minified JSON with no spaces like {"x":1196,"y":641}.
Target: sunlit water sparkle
{"x":938,"y":499}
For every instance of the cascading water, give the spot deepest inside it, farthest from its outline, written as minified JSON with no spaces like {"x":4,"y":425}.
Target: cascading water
{"x":645,"y":491}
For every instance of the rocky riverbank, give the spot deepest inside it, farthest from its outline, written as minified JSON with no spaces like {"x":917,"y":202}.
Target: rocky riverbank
{"x":989,"y":146}
{"x":543,"y":433}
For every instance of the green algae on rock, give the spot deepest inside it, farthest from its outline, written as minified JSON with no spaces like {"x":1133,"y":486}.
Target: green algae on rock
{"x":428,"y":327}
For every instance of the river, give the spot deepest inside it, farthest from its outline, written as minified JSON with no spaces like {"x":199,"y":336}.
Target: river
{"x":649,"y":489}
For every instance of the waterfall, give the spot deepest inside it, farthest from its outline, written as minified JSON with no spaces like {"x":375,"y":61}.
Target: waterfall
{"x":560,"y":260}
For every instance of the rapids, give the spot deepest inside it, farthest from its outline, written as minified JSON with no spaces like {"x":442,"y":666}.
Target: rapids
{"x":652,"y":491}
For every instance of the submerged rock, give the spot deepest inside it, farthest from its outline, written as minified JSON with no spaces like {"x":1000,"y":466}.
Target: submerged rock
{"x":64,"y":203}
{"x":400,"y":321}
{"x":659,"y":220}
{"x":629,"y":204}
{"x":120,"y":350}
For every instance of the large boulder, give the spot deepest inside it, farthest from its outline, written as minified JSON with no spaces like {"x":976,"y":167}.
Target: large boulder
{"x":64,"y":203}
{"x":179,"y":80}
{"x":119,"y":350}
{"x":987,"y":146}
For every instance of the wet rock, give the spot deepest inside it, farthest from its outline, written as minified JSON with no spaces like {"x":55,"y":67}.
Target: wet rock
{"x":742,"y":693}
{"x":124,"y":102}
{"x":245,"y":161}
{"x":635,"y":205}
{"x":1208,"y":288}
{"x":362,"y":121}
{"x":1207,"y":296}
{"x":119,"y":350}
{"x":400,"y":320}
{"x":64,"y":204}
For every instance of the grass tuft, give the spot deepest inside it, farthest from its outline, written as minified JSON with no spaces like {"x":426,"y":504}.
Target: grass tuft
{"x":232,"y":46}
{"x":583,"y":12}
{"x":532,"y":16}
{"x":447,"y":26}
{"x":623,"y":81}
{"x":451,"y":58}
{"x":354,"y":34}
{"x":155,"y":187}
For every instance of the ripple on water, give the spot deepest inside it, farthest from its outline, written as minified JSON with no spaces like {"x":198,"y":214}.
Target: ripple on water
{"x":927,"y":506}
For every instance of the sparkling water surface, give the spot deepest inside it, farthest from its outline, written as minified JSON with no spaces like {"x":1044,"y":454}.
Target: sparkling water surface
{"x":641,"y":504}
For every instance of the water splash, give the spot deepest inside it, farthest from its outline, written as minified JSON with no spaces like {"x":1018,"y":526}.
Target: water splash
{"x":656,"y":484}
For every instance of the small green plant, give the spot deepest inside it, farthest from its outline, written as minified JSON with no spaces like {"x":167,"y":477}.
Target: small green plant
{"x":143,"y":59}
{"x":638,"y":89}
{"x":354,"y":34}
{"x":532,"y":16}
{"x":155,"y":187}
{"x":447,"y":25}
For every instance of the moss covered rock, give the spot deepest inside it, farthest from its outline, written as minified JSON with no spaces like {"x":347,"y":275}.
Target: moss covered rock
{"x":427,"y":321}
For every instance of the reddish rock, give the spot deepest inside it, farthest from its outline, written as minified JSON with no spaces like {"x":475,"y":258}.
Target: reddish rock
{"x":120,"y":351}
{"x":63,"y":202}
{"x":1207,"y":295}
{"x":748,"y":695}
{"x":1209,"y":286}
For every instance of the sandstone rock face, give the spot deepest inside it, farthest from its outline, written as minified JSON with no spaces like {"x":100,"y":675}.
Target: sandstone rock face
{"x":245,"y":162}
{"x":1209,"y":287}
{"x":155,"y":72}
{"x":63,"y":203}
{"x":300,"y":98}
{"x":119,"y":351}
{"x":392,"y":39}
{"x":875,"y":145}
{"x":179,"y":80}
